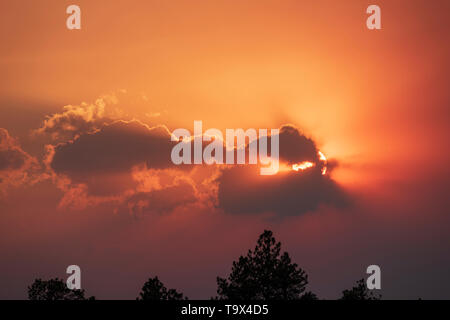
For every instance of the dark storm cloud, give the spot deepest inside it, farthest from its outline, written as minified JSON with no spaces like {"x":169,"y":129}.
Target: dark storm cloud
{"x":243,"y":190}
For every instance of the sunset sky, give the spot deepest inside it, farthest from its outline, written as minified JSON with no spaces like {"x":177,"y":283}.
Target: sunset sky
{"x":85,"y":122}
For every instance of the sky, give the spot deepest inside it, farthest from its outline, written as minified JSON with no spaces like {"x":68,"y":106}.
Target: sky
{"x":86,"y":117}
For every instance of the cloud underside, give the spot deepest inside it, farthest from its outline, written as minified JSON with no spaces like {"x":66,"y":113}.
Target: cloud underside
{"x":243,"y":191}
{"x":96,"y":157}
{"x":130,"y":162}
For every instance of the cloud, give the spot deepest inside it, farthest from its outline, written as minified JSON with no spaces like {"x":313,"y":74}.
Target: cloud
{"x":161,"y":201}
{"x":242,"y":190}
{"x":89,"y":117}
{"x":80,"y":119}
{"x":16,"y":166}
{"x":295,"y":147}
{"x":125,"y":162}
{"x":115,"y":148}
{"x":129,"y":163}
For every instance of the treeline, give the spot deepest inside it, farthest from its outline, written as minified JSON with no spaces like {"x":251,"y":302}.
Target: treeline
{"x":265,"y":273}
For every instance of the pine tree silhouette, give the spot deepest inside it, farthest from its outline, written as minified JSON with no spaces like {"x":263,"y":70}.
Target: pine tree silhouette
{"x":264,"y":274}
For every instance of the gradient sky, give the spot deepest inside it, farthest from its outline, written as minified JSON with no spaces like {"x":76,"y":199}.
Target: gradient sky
{"x":83,"y":176}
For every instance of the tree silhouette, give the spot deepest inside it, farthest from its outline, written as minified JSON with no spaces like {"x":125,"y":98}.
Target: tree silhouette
{"x":360,"y":292}
{"x":309,"y":296}
{"x":264,"y":274}
{"x":54,"y":289}
{"x":154,"y":289}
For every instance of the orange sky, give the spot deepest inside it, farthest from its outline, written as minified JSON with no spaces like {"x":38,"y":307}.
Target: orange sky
{"x":376,"y":101}
{"x":247,"y":64}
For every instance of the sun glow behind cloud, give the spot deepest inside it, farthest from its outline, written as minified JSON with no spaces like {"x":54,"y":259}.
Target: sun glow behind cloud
{"x":304,"y":165}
